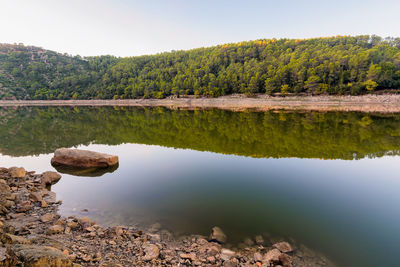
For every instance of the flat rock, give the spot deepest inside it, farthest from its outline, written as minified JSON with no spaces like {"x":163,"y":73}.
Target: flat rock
{"x":82,"y":158}
{"x":13,"y":239}
{"x":36,"y":256}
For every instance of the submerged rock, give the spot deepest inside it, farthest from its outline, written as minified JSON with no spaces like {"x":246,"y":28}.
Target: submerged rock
{"x":83,"y":158}
{"x":217,"y":235}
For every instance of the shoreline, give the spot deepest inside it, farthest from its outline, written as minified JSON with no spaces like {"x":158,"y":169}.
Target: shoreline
{"x":32,"y":232}
{"x":385,"y":103}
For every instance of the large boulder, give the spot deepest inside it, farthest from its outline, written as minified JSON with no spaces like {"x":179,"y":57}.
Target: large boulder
{"x":82,"y":158}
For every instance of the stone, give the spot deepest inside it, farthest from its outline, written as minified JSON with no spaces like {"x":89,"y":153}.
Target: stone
{"x":7,"y":257}
{"x":47,"y":217}
{"x":155,"y":227}
{"x":9,"y":203}
{"x":55,"y":229}
{"x":17,"y":172}
{"x":227,"y":254}
{"x":283,"y":247}
{"x":85,"y":222}
{"x":258,"y":256}
{"x":73,"y":225}
{"x":285,"y":260}
{"x":36,"y":256}
{"x":36,"y":197}
{"x":155,"y":237}
{"x":50,"y":178}
{"x":231,"y":263}
{"x":217,"y":235}
{"x":272,"y":256}
{"x":13,"y":239}
{"x":90,"y":229}
{"x":248,"y":242}
{"x":151,"y":252}
{"x":83,"y":158}
{"x":259,"y":240}
{"x":190,"y":256}
{"x":24,"y":206}
{"x":119,"y":231}
{"x":44,"y":204}
{"x":211,"y":259}
{"x":49,"y":196}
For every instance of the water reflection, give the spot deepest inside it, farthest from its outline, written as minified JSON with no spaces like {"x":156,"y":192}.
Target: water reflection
{"x":332,"y":135}
{"x":85,"y":172}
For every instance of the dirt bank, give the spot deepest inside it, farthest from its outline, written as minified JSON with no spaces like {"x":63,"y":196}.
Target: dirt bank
{"x":368,"y":103}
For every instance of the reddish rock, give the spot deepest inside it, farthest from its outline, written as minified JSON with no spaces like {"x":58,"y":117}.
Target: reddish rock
{"x":82,"y":158}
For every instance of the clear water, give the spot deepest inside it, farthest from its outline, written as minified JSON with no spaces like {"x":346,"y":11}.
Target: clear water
{"x":330,"y":181}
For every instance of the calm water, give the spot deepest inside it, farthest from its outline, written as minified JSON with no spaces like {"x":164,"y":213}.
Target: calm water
{"x":330,"y":181}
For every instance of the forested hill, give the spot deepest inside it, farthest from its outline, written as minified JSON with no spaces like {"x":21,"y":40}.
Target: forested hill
{"x":28,"y":72}
{"x":334,"y":65}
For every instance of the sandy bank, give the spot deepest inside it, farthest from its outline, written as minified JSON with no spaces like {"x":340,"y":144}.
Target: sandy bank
{"x":367,"y":103}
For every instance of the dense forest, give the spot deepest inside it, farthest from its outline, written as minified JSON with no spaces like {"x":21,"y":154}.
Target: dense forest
{"x":334,"y":65}
{"x":332,"y":135}
{"x":28,"y":72}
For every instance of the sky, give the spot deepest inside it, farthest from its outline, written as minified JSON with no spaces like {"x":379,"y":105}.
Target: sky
{"x":133,"y":27}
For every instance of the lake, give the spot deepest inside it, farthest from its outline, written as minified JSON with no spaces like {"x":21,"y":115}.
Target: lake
{"x":330,"y":181}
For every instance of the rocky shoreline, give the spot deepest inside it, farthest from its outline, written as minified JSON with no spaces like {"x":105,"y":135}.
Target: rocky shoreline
{"x":371,"y":103}
{"x":32,"y":233}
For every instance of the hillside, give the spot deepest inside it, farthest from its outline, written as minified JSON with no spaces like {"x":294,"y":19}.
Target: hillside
{"x":334,"y":65}
{"x":28,"y":72}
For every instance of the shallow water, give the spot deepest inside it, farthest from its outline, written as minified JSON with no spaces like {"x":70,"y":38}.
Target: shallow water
{"x":249,"y":173}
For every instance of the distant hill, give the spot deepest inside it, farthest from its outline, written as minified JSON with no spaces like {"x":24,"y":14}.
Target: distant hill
{"x":334,"y":65}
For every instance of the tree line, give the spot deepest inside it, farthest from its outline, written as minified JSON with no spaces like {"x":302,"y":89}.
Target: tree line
{"x":334,"y":65}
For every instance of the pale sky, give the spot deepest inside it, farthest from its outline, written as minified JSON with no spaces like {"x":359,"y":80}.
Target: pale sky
{"x":133,"y":27}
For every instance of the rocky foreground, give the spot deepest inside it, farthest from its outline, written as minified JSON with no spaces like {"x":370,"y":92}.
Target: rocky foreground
{"x":32,"y":233}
